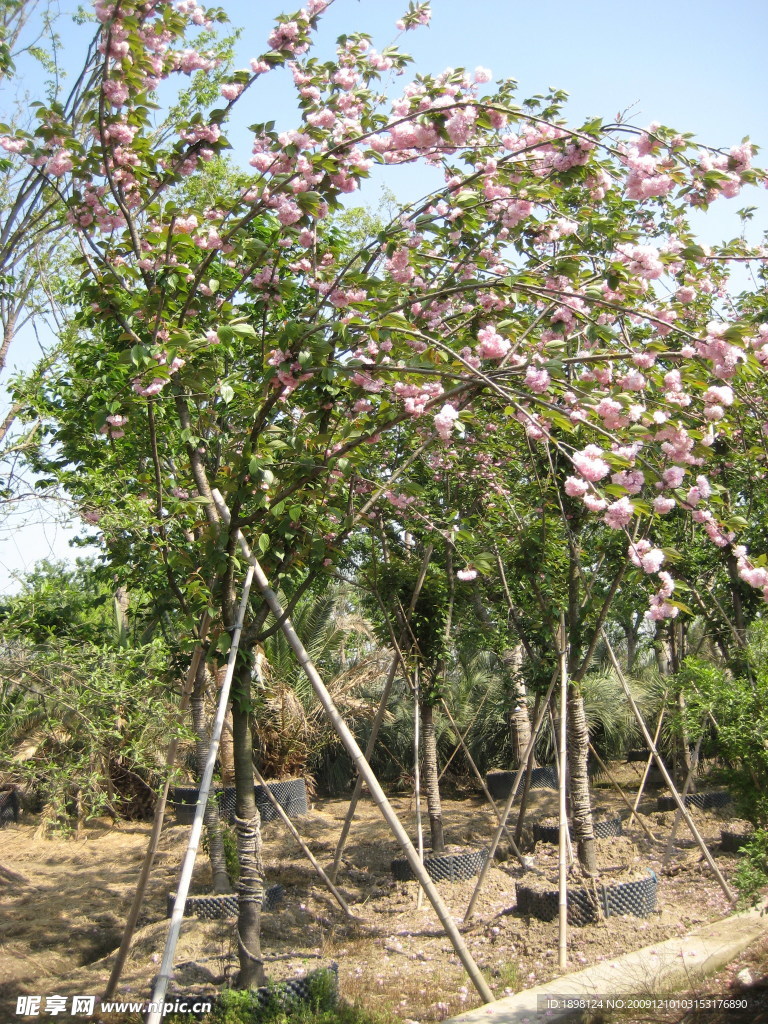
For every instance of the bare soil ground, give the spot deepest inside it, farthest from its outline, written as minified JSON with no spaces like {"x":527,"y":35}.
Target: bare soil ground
{"x":59,"y":927}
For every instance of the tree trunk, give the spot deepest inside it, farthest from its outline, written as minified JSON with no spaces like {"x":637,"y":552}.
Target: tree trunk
{"x":581,"y":806}
{"x":519,"y":720}
{"x":212,"y":822}
{"x":431,"y":784}
{"x":511,"y":659}
{"x":226,"y":750}
{"x":684,"y":752}
{"x":250,"y":889}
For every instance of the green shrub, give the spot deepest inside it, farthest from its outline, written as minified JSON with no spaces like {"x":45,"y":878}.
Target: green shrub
{"x":751,"y":876}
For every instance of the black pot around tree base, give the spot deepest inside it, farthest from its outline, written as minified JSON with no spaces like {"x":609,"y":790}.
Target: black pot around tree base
{"x":291,"y":794}
{"x":318,"y":988}
{"x":215,"y":906}
{"x":704,"y":801}
{"x":603,"y":827}
{"x":10,"y":806}
{"x":732,"y":839}
{"x":443,"y":867}
{"x":500,"y":783}
{"x":585,"y":905}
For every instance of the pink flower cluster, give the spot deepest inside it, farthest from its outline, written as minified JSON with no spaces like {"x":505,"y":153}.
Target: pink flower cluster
{"x":416,"y":396}
{"x":444,"y":421}
{"x":660,"y":608}
{"x":645,"y":556}
{"x":491,"y":345}
{"x":591,"y":464}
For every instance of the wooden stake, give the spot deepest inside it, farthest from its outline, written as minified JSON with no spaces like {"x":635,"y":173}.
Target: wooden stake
{"x":510,"y":800}
{"x":558,"y":760}
{"x":305,"y":849}
{"x":563,"y":837}
{"x":481,"y":780}
{"x":681,"y":806}
{"x":620,"y":791}
{"x":417,"y":776}
{"x":380,"y":714}
{"x":352,"y":748}
{"x":157,"y":823}
{"x":649,"y":762}
{"x":687,"y":785}
{"x":185,"y":875}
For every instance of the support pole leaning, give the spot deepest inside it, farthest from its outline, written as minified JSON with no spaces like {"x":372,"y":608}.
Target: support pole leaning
{"x":351,"y":745}
{"x":510,"y":800}
{"x":157,"y":825}
{"x":379,"y":717}
{"x":185,"y":877}
{"x":304,"y":848}
{"x":562,"y":852}
{"x":667,"y":778}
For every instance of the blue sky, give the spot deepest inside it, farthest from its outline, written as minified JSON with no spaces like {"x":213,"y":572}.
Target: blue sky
{"x":699,"y":67}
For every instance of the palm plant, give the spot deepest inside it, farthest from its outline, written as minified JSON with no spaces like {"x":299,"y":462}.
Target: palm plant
{"x":289,"y":725}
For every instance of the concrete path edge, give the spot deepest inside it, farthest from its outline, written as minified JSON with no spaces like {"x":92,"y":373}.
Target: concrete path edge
{"x":675,"y":965}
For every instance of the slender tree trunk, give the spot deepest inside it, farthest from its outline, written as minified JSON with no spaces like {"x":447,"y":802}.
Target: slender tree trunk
{"x":250,"y":889}
{"x":212,"y":822}
{"x":581,"y":805}
{"x":685,"y":745}
{"x":520,"y":722}
{"x":226,"y":750}
{"x":511,"y":658}
{"x":431,"y":784}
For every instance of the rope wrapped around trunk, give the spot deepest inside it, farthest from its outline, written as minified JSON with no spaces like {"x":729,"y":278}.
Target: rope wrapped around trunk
{"x":250,"y":888}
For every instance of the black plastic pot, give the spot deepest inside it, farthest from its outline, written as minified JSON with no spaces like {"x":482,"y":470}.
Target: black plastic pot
{"x":183,"y":800}
{"x":443,"y":867}
{"x":291,"y":794}
{"x":9,"y":806}
{"x":732,"y":841}
{"x":704,"y":801}
{"x":214,"y":907}
{"x":500,"y":783}
{"x":321,"y":984}
{"x":637,"y":755}
{"x":604,"y":827}
{"x":585,"y":906}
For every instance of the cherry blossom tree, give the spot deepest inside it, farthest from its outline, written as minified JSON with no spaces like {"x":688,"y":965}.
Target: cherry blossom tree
{"x":242,"y":343}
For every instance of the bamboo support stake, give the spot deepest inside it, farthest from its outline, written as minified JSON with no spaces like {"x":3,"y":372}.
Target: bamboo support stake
{"x":185,"y":877}
{"x":417,"y":777}
{"x":352,"y":748}
{"x":481,"y":780}
{"x":374,"y":735}
{"x":157,"y":824}
{"x":461,"y":745}
{"x":304,"y":848}
{"x":508,"y":805}
{"x":563,"y":836}
{"x":621,"y":793}
{"x":648,"y":764}
{"x":652,"y":746}
{"x":380,"y":715}
{"x":686,"y":786}
{"x":556,"y":745}
{"x":526,"y":781}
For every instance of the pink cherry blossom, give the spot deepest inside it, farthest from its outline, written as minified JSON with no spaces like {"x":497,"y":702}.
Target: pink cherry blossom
{"x":619,"y":514}
{"x":491,"y":345}
{"x":590,"y":463}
